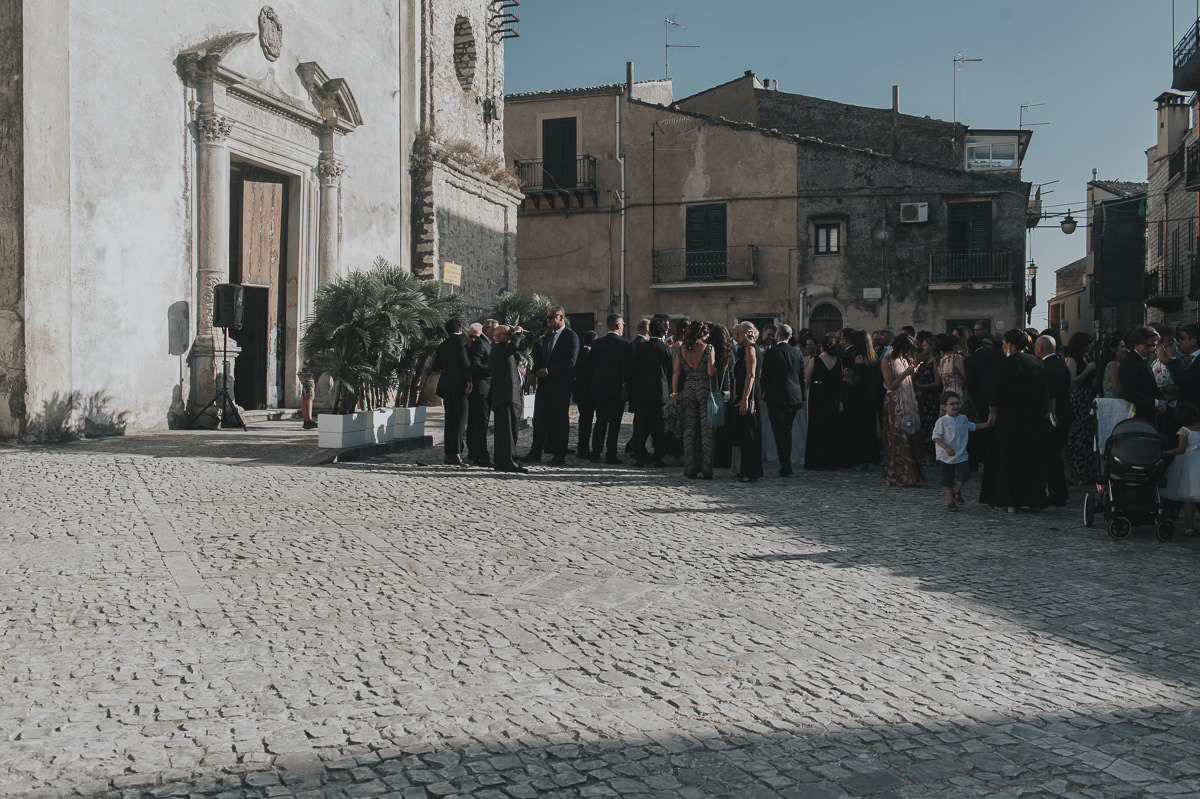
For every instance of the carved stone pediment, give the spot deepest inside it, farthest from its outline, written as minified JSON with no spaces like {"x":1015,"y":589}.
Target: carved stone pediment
{"x":332,"y":97}
{"x":201,"y":62}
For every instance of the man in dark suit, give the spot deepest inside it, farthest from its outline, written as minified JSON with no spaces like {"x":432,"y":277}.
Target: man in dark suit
{"x":783,"y":392}
{"x":583,"y":393}
{"x":1058,"y":377}
{"x":980,"y":367}
{"x":609,"y":353}
{"x":478,"y":355}
{"x":1137,"y":380}
{"x":1185,"y":367}
{"x":554,"y":364}
{"x":649,"y":386}
{"x":453,"y":386}
{"x":505,"y":397}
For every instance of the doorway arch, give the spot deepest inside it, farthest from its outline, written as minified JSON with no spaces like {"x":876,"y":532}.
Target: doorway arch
{"x":825,"y":318}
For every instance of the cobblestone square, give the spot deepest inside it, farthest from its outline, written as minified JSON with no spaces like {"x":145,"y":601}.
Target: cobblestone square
{"x":199,"y":627}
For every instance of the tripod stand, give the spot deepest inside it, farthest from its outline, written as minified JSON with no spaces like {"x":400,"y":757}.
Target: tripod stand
{"x":228,"y":405}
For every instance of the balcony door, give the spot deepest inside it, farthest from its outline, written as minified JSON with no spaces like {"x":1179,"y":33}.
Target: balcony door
{"x":970,"y":240}
{"x":707,"y":242}
{"x":559,"y":153}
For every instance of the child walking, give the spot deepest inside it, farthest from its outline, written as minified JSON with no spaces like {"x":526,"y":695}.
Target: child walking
{"x":950,"y":434}
{"x":1183,"y":475}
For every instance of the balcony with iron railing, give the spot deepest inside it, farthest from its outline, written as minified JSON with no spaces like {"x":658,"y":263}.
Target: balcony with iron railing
{"x":1186,"y":74}
{"x":555,"y":183}
{"x":681,"y":268}
{"x":1164,"y":287}
{"x":977,"y":266}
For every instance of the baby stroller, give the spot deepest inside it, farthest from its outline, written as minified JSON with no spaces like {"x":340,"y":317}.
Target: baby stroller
{"x":1130,"y":470}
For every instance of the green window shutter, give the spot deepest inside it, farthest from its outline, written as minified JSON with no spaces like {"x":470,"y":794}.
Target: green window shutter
{"x":706,"y":241}
{"x":558,"y":153}
{"x":970,"y":227}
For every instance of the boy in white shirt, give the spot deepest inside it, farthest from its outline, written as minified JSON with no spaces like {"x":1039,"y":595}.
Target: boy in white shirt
{"x":950,"y":435}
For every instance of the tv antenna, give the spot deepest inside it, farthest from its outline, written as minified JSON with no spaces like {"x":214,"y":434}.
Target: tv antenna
{"x":1024,"y":108}
{"x":667,"y":23}
{"x":959,"y":60}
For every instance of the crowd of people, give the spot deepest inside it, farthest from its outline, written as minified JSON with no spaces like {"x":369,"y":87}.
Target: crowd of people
{"x":706,"y":397}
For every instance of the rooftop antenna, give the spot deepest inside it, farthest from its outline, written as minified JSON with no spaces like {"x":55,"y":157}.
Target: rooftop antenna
{"x":1023,"y":123}
{"x":667,"y":23}
{"x":959,"y":60}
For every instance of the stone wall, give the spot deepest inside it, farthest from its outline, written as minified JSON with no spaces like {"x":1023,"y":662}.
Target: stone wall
{"x":464,"y":199}
{"x":12,"y":278}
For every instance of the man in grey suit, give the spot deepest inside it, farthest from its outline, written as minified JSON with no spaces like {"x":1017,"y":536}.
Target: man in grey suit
{"x":505,"y":397}
{"x":783,"y":392}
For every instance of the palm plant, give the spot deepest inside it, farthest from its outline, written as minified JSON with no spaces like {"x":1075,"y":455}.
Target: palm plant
{"x":361,"y":329}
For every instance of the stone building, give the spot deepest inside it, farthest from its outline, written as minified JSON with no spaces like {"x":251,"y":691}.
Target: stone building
{"x":743,"y":202}
{"x":1101,"y":293}
{"x":151,"y":152}
{"x":1172,"y":278}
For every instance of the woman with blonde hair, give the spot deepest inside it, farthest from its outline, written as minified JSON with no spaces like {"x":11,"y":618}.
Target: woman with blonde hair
{"x":746,"y":424}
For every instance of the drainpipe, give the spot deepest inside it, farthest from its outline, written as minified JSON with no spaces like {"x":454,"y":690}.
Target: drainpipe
{"x":621,"y":161}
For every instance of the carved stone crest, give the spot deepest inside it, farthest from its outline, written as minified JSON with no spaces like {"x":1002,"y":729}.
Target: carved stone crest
{"x":270,"y":33}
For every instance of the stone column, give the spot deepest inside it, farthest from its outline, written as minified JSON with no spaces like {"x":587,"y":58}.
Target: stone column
{"x":212,"y":263}
{"x":329,"y":169}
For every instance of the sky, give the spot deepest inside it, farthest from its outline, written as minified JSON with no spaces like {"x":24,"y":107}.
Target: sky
{"x":1096,"y":66}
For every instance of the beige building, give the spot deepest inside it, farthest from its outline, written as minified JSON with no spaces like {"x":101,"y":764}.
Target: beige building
{"x":152,"y":153}
{"x":637,"y":204}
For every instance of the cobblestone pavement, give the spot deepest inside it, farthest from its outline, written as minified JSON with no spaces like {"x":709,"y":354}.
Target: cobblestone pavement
{"x":175,"y":626}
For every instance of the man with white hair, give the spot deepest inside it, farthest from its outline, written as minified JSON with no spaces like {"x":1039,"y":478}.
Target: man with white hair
{"x":478,"y":410}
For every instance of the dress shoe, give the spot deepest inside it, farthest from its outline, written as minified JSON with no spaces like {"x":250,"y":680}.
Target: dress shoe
{"x":658,"y":463}
{"x":558,"y":460}
{"x":613,"y":460}
{"x":530,"y":458}
{"x":785,"y":472}
{"x":453,"y":461}
{"x":514,"y":468}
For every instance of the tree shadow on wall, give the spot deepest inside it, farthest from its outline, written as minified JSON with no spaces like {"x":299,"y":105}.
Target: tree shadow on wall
{"x":67,"y":417}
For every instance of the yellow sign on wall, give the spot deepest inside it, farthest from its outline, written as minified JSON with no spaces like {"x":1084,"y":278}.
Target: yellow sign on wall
{"x":451,"y":274}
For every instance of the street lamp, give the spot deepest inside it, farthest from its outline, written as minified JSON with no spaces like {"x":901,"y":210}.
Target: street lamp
{"x":883,"y":236}
{"x":1068,"y":224}
{"x":1031,"y":298}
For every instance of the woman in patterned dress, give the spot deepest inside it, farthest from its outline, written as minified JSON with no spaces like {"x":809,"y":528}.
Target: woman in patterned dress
{"x":694,"y":369}
{"x":1081,"y":458}
{"x":901,"y":415}
{"x":952,"y":371}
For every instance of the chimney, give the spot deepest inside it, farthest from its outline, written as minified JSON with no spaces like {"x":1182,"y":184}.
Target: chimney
{"x":895,"y":98}
{"x":1172,"y":122}
{"x":628,"y":78}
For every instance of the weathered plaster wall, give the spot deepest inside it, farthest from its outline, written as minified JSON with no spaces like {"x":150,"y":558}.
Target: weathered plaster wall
{"x":861,"y":189}
{"x":12,"y":312}
{"x":109,"y":216}
{"x":48,"y":226}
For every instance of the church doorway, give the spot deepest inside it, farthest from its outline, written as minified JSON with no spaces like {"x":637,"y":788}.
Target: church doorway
{"x":825,"y":318}
{"x":258,"y":261}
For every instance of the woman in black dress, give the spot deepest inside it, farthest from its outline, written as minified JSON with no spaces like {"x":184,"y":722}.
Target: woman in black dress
{"x":745,"y":426}
{"x":825,"y":429}
{"x":1014,"y":474}
{"x":860,"y":401}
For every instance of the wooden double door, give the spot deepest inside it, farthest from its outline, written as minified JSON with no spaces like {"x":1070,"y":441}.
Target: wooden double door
{"x":258,"y":261}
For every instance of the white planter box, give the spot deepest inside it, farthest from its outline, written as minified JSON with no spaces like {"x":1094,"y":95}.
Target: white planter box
{"x":410,"y":422}
{"x":339,"y":431}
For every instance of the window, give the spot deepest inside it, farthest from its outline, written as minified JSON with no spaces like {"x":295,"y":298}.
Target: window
{"x":828,"y":238}
{"x":992,"y":152}
{"x":707,"y":242}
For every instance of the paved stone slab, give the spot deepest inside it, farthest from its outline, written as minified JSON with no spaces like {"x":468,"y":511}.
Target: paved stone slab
{"x":218,"y":627}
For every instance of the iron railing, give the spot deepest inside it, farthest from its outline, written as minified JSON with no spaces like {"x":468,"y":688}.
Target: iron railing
{"x":1164,"y":283}
{"x":735,"y":264}
{"x":536,"y":178}
{"x":978,"y":266}
{"x":1188,"y":46}
{"x":1177,"y":161}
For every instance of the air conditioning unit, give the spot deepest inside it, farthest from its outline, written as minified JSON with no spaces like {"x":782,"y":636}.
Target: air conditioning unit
{"x":914,"y":212}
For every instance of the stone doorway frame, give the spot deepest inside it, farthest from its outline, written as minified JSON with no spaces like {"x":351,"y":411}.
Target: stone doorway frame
{"x":255,"y":122}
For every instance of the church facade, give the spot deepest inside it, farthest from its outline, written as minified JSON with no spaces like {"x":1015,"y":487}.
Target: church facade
{"x":151,"y":153}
